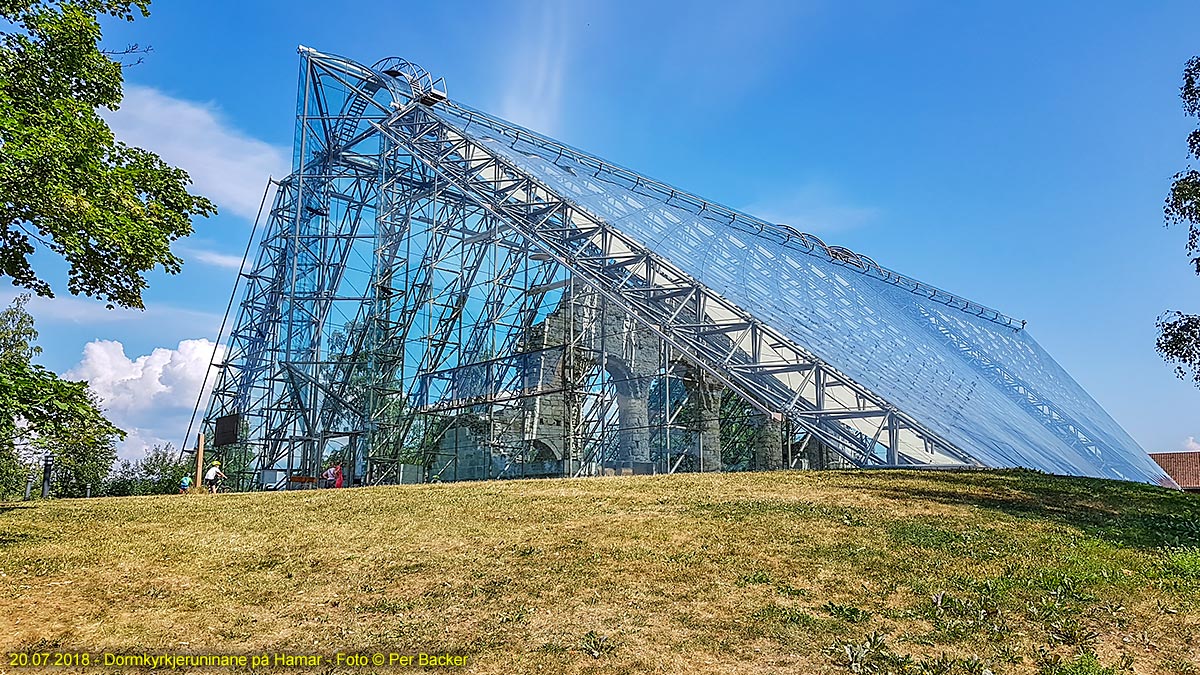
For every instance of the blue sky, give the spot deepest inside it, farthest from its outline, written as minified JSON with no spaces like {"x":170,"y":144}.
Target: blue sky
{"x":1015,"y":153}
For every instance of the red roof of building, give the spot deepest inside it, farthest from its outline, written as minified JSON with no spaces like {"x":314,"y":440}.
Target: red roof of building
{"x":1184,"y":467}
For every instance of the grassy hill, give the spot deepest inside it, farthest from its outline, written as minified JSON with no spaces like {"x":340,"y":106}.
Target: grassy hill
{"x":787,"y":572}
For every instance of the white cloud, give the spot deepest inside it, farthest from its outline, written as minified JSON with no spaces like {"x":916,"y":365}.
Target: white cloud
{"x":75,"y":310}
{"x":150,"y":396}
{"x":814,"y":207}
{"x":1191,"y":445}
{"x":538,"y":68}
{"x":226,"y":165}
{"x":138,"y":441}
{"x":215,"y":259}
{"x":78,"y":311}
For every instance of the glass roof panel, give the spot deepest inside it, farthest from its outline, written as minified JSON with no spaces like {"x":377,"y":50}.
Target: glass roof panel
{"x":986,"y":387}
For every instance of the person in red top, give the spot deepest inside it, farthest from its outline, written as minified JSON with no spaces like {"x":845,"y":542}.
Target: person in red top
{"x":337,"y":476}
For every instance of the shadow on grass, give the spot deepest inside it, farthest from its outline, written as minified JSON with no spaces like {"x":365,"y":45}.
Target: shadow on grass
{"x":1128,"y":514}
{"x":14,"y":538}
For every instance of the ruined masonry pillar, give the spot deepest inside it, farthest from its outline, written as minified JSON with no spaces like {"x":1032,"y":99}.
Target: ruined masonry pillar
{"x":768,"y":445}
{"x":634,"y":416}
{"x":709,"y":438}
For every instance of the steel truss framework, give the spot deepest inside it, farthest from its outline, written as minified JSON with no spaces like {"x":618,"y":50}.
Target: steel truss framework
{"x":440,"y":293}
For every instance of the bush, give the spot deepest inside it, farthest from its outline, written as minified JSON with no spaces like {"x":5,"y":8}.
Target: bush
{"x":158,"y":473}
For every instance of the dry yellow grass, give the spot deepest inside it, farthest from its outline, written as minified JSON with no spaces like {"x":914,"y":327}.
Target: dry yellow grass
{"x":736,"y":573}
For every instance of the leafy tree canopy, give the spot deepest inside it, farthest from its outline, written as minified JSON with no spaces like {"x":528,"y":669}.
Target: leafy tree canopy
{"x":39,"y":413}
{"x":1179,"y":337}
{"x":110,"y":210}
{"x":158,"y":473}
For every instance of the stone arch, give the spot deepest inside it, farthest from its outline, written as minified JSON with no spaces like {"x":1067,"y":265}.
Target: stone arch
{"x":541,"y":451}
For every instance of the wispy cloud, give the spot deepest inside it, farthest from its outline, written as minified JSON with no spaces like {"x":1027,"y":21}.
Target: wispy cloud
{"x":1191,"y":445}
{"x":214,"y":258}
{"x":226,"y":165}
{"x":813,"y":207}
{"x":537,"y":67}
{"x":71,"y":310}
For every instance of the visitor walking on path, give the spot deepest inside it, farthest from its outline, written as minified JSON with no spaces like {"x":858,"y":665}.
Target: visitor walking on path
{"x":211,"y":477}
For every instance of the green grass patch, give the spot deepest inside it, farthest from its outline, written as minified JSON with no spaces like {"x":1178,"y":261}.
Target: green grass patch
{"x":1012,"y":572}
{"x":1183,"y":563}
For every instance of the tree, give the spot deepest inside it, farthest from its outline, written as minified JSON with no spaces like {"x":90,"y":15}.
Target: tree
{"x":84,"y":456}
{"x":17,"y":337}
{"x":122,"y":480}
{"x":158,"y":473}
{"x":110,"y":210}
{"x":1179,"y":333}
{"x":162,"y":468}
{"x":40,"y":413}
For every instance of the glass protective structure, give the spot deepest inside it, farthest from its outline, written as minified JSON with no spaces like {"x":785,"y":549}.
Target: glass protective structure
{"x":972,"y":375}
{"x":439,"y":287}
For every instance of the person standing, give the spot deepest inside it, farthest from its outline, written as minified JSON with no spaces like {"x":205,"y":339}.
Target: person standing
{"x":328,"y":478}
{"x":211,"y":477}
{"x":338,"y":479}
